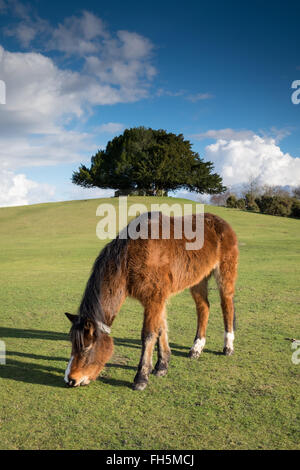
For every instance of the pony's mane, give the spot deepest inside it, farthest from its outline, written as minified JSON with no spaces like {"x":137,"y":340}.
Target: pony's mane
{"x":111,"y":259}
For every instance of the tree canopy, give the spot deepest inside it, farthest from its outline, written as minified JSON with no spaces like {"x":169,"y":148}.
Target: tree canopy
{"x":150,"y":161}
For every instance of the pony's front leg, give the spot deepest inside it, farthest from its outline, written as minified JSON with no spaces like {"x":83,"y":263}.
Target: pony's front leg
{"x":150,"y":331}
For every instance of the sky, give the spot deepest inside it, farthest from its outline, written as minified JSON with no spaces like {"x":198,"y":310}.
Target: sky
{"x":76,"y":74}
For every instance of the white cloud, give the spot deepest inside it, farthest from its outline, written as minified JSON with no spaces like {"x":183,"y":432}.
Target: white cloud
{"x":163,"y":92}
{"x":121,"y":59}
{"x":134,"y":46}
{"x":256,"y":157}
{"x":18,"y":190}
{"x":199,"y":97}
{"x":20,"y":9}
{"x":46,"y":150}
{"x":48,"y":105}
{"x":3,"y":5}
{"x":111,"y":128}
{"x":28,"y":25}
{"x":25,"y":34}
{"x":125,"y":62}
{"x":38,"y":93}
{"x":78,"y":35}
{"x":233,"y":134}
{"x":37,"y":90}
{"x":278,"y":134}
{"x":224,"y":134}
{"x":193,"y":98}
{"x":43,"y":99}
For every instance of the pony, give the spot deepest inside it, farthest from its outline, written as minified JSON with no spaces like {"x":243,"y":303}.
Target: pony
{"x":151,"y":270}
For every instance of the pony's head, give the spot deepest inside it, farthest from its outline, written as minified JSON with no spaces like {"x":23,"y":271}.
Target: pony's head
{"x":91,"y":349}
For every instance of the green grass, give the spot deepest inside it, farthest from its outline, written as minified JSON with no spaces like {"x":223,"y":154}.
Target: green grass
{"x":249,"y":400}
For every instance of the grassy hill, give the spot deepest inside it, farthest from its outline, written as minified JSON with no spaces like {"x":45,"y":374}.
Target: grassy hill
{"x":249,"y":400}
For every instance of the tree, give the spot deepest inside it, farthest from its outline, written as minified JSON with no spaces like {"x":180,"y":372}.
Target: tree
{"x":251,"y":202}
{"x":240,"y":204}
{"x":275,"y":191}
{"x":295,"y":209}
{"x":220,"y":199}
{"x":231,"y":201}
{"x":235,"y":203}
{"x":149,"y":161}
{"x":276,"y":205}
{"x":296,"y":192}
{"x":252,"y":188}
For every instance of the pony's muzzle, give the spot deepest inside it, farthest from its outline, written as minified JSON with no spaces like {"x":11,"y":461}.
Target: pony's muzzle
{"x":77,"y":383}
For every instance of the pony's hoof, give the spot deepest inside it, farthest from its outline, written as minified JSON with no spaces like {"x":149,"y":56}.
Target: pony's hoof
{"x":140,"y":386}
{"x":194,"y":354}
{"x":160,"y":372}
{"x":227,"y":351}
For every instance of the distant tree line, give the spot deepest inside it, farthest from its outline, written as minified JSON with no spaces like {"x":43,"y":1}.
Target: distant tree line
{"x":272,"y":200}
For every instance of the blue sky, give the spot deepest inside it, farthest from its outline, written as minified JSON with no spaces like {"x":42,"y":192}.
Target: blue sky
{"x":78,"y":73}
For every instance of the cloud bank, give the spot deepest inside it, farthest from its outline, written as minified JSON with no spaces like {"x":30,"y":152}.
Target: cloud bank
{"x":243,"y":155}
{"x":18,"y":190}
{"x":48,"y":105}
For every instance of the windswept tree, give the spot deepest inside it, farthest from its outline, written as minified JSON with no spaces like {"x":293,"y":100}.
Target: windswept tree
{"x":296,"y":192}
{"x":149,"y":162}
{"x":220,"y":198}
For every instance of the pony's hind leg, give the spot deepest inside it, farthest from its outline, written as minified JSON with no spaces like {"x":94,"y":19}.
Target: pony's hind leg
{"x":199,"y":293}
{"x":163,"y":350}
{"x":226,"y":276}
{"x":153,"y":315}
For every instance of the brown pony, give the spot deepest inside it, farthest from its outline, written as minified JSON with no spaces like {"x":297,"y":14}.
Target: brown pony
{"x":151,"y":270}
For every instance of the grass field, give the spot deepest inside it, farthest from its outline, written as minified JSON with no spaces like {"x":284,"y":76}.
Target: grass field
{"x":249,"y":400}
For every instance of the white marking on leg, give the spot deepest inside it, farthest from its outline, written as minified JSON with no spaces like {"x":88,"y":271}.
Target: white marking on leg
{"x":199,"y":345}
{"x":66,"y":379}
{"x":228,"y":340}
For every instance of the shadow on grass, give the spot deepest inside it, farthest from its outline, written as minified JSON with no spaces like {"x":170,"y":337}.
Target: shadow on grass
{"x":177,"y":349}
{"x":115,"y":382}
{"x":39,"y":374}
{"x":32,"y":373}
{"x":43,"y":374}
{"x":120,"y":366}
{"x":216,"y":353}
{"x":136,"y":344}
{"x":36,"y":356}
{"x":32,"y":334}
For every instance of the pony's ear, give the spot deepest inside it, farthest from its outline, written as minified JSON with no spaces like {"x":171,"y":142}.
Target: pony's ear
{"x":71,"y":317}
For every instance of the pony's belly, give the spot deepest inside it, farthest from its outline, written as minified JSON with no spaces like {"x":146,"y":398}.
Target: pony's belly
{"x":184,"y":278}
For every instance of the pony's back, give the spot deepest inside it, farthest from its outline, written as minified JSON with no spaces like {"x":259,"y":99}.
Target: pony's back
{"x":167,"y":265}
